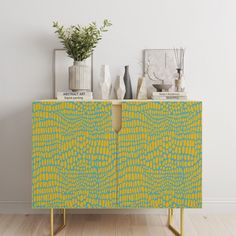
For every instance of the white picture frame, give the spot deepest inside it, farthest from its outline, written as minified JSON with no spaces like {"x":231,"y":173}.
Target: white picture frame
{"x":61,"y":63}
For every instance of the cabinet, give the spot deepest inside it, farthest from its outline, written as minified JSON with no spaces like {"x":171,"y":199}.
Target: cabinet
{"x":79,"y":161}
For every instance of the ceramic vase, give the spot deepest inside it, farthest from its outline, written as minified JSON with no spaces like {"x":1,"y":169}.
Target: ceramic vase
{"x":180,"y":83}
{"x":79,"y":75}
{"x":120,"y":88}
{"x":105,"y":82}
{"x":142,"y":89}
{"x":127,"y":81}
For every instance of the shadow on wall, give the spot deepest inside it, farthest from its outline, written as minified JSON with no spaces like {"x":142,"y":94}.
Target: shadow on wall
{"x":15,"y":156}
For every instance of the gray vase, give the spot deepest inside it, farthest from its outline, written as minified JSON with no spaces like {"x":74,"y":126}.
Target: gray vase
{"x":127,"y":81}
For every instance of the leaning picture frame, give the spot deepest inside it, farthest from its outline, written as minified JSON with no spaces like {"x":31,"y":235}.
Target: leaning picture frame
{"x":61,"y":63}
{"x":160,"y":68}
{"x":159,"y":64}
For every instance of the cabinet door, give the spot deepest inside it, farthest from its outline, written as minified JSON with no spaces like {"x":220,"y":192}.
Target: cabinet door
{"x":74,"y":155}
{"x":159,"y":155}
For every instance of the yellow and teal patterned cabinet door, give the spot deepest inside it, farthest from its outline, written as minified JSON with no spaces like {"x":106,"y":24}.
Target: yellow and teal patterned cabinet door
{"x":74,"y":155}
{"x":159,"y":155}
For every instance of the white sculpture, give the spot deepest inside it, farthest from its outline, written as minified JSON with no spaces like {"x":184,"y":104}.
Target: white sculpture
{"x":120,"y":88}
{"x":105,"y":83}
{"x":142,"y":89}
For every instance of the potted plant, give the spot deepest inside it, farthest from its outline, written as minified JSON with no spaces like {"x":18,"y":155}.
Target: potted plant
{"x":79,"y":43}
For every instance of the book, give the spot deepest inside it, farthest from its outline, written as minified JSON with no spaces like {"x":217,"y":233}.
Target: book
{"x":169,"y":97}
{"x":80,"y":95}
{"x":169,"y":93}
{"x":73,"y":98}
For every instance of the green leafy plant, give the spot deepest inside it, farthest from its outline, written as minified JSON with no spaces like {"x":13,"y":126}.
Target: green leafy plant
{"x":80,"y":41}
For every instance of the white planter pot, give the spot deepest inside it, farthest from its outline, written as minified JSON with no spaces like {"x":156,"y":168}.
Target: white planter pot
{"x":79,"y":76}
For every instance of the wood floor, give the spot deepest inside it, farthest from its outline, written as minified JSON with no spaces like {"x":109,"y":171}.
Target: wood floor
{"x":118,"y":225}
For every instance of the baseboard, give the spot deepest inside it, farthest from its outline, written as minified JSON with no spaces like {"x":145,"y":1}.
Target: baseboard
{"x":225,"y":206}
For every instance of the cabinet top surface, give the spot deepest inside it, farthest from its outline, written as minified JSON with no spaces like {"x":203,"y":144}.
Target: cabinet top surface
{"x":115,"y":101}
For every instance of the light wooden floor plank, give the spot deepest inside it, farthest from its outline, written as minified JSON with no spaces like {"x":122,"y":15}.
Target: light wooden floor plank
{"x":117,"y":225}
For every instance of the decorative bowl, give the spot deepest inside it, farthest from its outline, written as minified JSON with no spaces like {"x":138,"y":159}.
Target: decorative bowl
{"x":162,"y":87}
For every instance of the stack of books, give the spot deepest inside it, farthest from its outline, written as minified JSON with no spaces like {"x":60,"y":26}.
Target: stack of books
{"x":74,"y":96}
{"x":169,"y":96}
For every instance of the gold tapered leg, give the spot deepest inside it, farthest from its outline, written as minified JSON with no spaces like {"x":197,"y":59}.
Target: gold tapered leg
{"x":62,"y":226}
{"x":171,"y":219}
{"x":51,"y":229}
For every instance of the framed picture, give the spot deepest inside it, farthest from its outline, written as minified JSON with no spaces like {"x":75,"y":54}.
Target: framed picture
{"x":163,"y":67}
{"x":61,"y":63}
{"x":159,"y":65}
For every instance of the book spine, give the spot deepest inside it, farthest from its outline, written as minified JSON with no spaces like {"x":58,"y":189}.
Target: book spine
{"x":169,"y":94}
{"x":169,"y":97}
{"x":74,"y":98}
{"x":79,"y":93}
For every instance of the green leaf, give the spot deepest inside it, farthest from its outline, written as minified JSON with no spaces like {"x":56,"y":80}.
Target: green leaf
{"x":79,"y":41}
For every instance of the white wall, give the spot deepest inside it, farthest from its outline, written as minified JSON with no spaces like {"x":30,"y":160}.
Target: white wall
{"x":207,"y":28}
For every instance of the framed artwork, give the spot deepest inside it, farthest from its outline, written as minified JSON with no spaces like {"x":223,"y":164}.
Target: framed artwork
{"x":61,"y":63}
{"x":160,"y":65}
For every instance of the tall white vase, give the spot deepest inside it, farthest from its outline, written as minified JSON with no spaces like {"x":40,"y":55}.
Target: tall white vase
{"x":79,"y":76}
{"x":105,"y":82}
{"x":120,"y":88}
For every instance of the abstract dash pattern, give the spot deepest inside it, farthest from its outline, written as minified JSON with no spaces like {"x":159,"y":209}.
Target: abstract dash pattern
{"x":74,"y":155}
{"x":160,"y":155}
{"x":78,"y":161}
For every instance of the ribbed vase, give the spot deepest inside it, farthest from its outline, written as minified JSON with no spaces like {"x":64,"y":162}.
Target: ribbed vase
{"x":79,"y":76}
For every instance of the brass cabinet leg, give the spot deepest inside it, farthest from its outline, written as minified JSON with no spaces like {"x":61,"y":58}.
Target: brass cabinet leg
{"x":182,"y":222}
{"x":62,"y":226}
{"x":51,"y":229}
{"x":64,"y":216}
{"x":171,"y":219}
